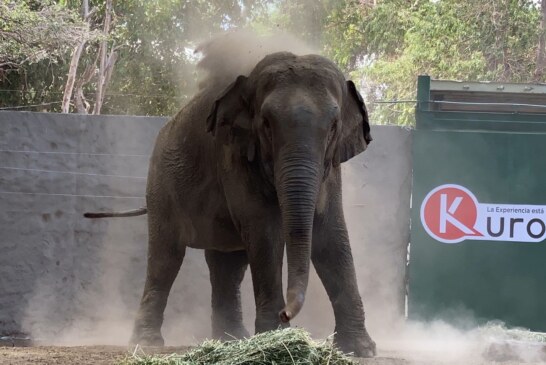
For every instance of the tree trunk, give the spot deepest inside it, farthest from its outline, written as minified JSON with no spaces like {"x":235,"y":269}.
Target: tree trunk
{"x":99,"y":95}
{"x":85,"y":9}
{"x":69,"y":87}
{"x":82,"y":106}
{"x":74,"y":62}
{"x":541,"y":52}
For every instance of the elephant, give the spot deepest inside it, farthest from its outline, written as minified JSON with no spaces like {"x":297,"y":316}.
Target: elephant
{"x":245,"y":173}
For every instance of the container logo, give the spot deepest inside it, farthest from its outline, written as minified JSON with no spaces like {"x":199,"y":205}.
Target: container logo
{"x":451,"y":214}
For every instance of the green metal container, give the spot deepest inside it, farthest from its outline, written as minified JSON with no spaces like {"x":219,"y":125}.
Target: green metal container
{"x":478,"y":233}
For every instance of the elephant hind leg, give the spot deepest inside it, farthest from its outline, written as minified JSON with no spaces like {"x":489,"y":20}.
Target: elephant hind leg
{"x":165,"y":256}
{"x":227,"y":270}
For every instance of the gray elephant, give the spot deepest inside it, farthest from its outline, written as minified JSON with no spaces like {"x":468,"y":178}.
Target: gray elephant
{"x":245,"y":172}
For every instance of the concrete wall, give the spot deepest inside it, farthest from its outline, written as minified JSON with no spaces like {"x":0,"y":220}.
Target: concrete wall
{"x":65,"y":279}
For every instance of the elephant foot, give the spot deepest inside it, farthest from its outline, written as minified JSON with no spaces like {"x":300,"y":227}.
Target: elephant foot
{"x":274,"y":323}
{"x":360,"y":345}
{"x":147,"y":338}
{"x":232,"y":333}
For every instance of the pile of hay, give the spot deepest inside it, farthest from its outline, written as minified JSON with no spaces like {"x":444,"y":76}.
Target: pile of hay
{"x":287,"y":346}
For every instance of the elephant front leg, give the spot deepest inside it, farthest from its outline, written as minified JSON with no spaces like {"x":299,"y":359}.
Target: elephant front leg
{"x":227,"y":270}
{"x":265,"y":253}
{"x":333,"y":261}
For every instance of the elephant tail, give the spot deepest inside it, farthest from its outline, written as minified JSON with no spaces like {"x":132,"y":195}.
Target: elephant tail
{"x":126,"y":213}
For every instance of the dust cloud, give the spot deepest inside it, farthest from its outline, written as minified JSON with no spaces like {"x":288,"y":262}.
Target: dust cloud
{"x":98,"y":304}
{"x":228,"y":55}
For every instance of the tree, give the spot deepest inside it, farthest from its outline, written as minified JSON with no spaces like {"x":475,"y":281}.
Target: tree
{"x":388,"y":44}
{"x":35,"y":38}
{"x":74,"y":62}
{"x":153,"y":42}
{"x":381,"y":44}
{"x":31,"y":31}
{"x":155,"y":70}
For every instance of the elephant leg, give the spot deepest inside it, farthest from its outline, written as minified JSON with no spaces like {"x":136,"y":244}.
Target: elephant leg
{"x":333,"y":261}
{"x":227,"y":270}
{"x":165,"y":257}
{"x":265,"y":254}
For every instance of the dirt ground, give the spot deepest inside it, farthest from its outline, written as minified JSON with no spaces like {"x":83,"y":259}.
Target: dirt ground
{"x":81,"y":355}
{"x":111,"y":355}
{"x":21,"y":351}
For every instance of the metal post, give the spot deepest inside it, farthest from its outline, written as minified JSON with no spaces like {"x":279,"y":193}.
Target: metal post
{"x":423,"y":92}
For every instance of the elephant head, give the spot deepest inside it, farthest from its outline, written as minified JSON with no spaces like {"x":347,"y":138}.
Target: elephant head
{"x":296,"y":117}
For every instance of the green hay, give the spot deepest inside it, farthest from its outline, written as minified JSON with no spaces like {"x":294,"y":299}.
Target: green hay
{"x":290,"y":346}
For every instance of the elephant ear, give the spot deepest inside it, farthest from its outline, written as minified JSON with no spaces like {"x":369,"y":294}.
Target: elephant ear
{"x":227,"y":106}
{"x":355,"y":134}
{"x":231,"y":109}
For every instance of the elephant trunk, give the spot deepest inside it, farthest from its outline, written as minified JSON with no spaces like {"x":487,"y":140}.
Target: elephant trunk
{"x":297,"y":176}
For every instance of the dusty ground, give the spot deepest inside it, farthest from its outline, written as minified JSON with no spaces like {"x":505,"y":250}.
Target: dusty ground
{"x":60,"y":355}
{"x":81,"y":355}
{"x":111,"y":355}
{"x":107,"y":355}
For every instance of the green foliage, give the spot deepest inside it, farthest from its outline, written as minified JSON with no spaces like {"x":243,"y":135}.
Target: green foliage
{"x":154,"y":74}
{"x":385,"y":46}
{"x":358,"y":28}
{"x":36,"y":37}
{"x":31,"y":31}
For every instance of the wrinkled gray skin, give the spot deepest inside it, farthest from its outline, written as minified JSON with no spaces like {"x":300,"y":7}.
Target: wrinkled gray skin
{"x":261,"y":171}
